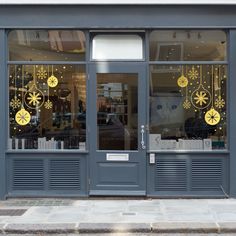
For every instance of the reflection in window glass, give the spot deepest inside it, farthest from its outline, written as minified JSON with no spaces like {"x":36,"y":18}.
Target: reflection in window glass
{"x":117,"y":109}
{"x":188,"y":107}
{"x":46,"y":45}
{"x":47,"y":107}
{"x":188,"y":45}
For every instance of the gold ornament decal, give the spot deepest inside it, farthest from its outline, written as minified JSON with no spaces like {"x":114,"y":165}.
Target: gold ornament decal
{"x":42,"y":74}
{"x":182,"y":81}
{"x":219,"y":102}
{"x":52,"y":81}
{"x":48,"y":104}
{"x":22,"y":117}
{"x":34,"y":98}
{"x":15,"y":102}
{"x":193,"y":73}
{"x":201,"y":98}
{"x":186,"y":104}
{"x":212,"y":117}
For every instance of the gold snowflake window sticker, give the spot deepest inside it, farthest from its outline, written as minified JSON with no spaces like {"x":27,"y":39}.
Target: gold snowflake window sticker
{"x":34,"y":98}
{"x":219,"y":102}
{"x":193,"y":73}
{"x":201,"y":98}
{"x":15,"y":102}
{"x":212,"y":117}
{"x":22,"y":117}
{"x":48,"y":104}
{"x":186,"y":104}
{"x":42,"y":74}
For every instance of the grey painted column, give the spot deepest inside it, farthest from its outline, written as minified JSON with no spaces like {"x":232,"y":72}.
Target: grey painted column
{"x":232,"y":111}
{"x":3,"y":112}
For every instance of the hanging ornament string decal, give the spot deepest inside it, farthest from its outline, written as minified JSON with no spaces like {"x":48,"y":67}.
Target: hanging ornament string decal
{"x":52,"y":80}
{"x":182,"y":80}
{"x":22,"y":117}
{"x":186,"y":104}
{"x":48,"y":103}
{"x":34,"y":98}
{"x":212,"y":117}
{"x":219,"y":102}
{"x":15,"y":102}
{"x":201,"y":97}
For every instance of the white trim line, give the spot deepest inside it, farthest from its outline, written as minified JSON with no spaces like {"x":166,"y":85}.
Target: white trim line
{"x":115,"y":2}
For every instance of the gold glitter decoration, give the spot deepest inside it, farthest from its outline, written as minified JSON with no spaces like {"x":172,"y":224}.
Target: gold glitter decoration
{"x":15,"y":102}
{"x":182,"y":81}
{"x":34,"y":98}
{"x":193,"y":73}
{"x":22,"y":117}
{"x":52,"y":81}
{"x":48,"y":104}
{"x":186,"y":104}
{"x":219,"y":102}
{"x":42,"y":74}
{"x":212,"y":117}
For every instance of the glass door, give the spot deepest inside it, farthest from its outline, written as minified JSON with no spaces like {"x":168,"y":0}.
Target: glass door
{"x":117,"y":129}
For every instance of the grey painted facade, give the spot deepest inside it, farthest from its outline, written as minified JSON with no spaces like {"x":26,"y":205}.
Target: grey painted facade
{"x":14,"y":164}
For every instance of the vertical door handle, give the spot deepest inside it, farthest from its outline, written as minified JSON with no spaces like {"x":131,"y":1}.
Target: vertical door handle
{"x":142,"y":137}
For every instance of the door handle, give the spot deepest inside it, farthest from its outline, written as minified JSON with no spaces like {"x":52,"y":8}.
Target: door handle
{"x":142,"y":137}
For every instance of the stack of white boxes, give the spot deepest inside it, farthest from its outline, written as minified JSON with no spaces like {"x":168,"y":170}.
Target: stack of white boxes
{"x":156,"y":143}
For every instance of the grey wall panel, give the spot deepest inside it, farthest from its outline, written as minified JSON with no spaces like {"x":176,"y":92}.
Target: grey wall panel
{"x":47,"y":175}
{"x":117,"y":17}
{"x":188,"y":175}
{"x":232,"y":111}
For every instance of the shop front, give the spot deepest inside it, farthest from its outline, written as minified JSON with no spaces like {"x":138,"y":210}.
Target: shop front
{"x":124,"y":101}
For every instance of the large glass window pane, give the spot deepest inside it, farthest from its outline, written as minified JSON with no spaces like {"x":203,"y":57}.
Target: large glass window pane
{"x":46,"y":45}
{"x":117,"y":47}
{"x":188,"y":107}
{"x":47,"y":105}
{"x":188,"y":45}
{"x":117,"y":109}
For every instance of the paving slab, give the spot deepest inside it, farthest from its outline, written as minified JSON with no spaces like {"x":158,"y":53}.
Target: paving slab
{"x":114,"y":228}
{"x":40,"y":228}
{"x":227,"y":227}
{"x":183,"y":227}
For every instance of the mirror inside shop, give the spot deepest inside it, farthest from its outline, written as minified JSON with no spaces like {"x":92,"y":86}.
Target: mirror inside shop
{"x":47,"y":107}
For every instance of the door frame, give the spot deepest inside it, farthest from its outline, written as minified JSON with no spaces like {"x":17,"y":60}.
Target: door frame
{"x":98,"y":189}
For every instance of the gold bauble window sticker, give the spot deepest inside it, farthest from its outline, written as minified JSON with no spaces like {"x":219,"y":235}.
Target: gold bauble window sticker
{"x":182,"y":81}
{"x":212,"y":117}
{"x":34,"y":98}
{"x":22,"y":117}
{"x":52,"y":80}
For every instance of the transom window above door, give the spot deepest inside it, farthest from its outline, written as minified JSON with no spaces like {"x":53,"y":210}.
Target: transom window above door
{"x":117,"y":47}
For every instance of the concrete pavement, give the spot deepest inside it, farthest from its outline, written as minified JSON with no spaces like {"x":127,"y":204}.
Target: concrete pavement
{"x":94,"y":216}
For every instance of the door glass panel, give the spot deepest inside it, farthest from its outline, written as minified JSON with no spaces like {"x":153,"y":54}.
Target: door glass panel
{"x":117,"y":111}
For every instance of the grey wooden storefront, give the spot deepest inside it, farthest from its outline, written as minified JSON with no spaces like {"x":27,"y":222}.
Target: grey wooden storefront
{"x":219,"y":172}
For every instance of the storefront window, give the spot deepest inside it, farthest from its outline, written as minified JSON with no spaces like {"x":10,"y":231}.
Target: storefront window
{"x":46,"y":45}
{"x":47,"y":107}
{"x":188,"y":107}
{"x":188,"y":45}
